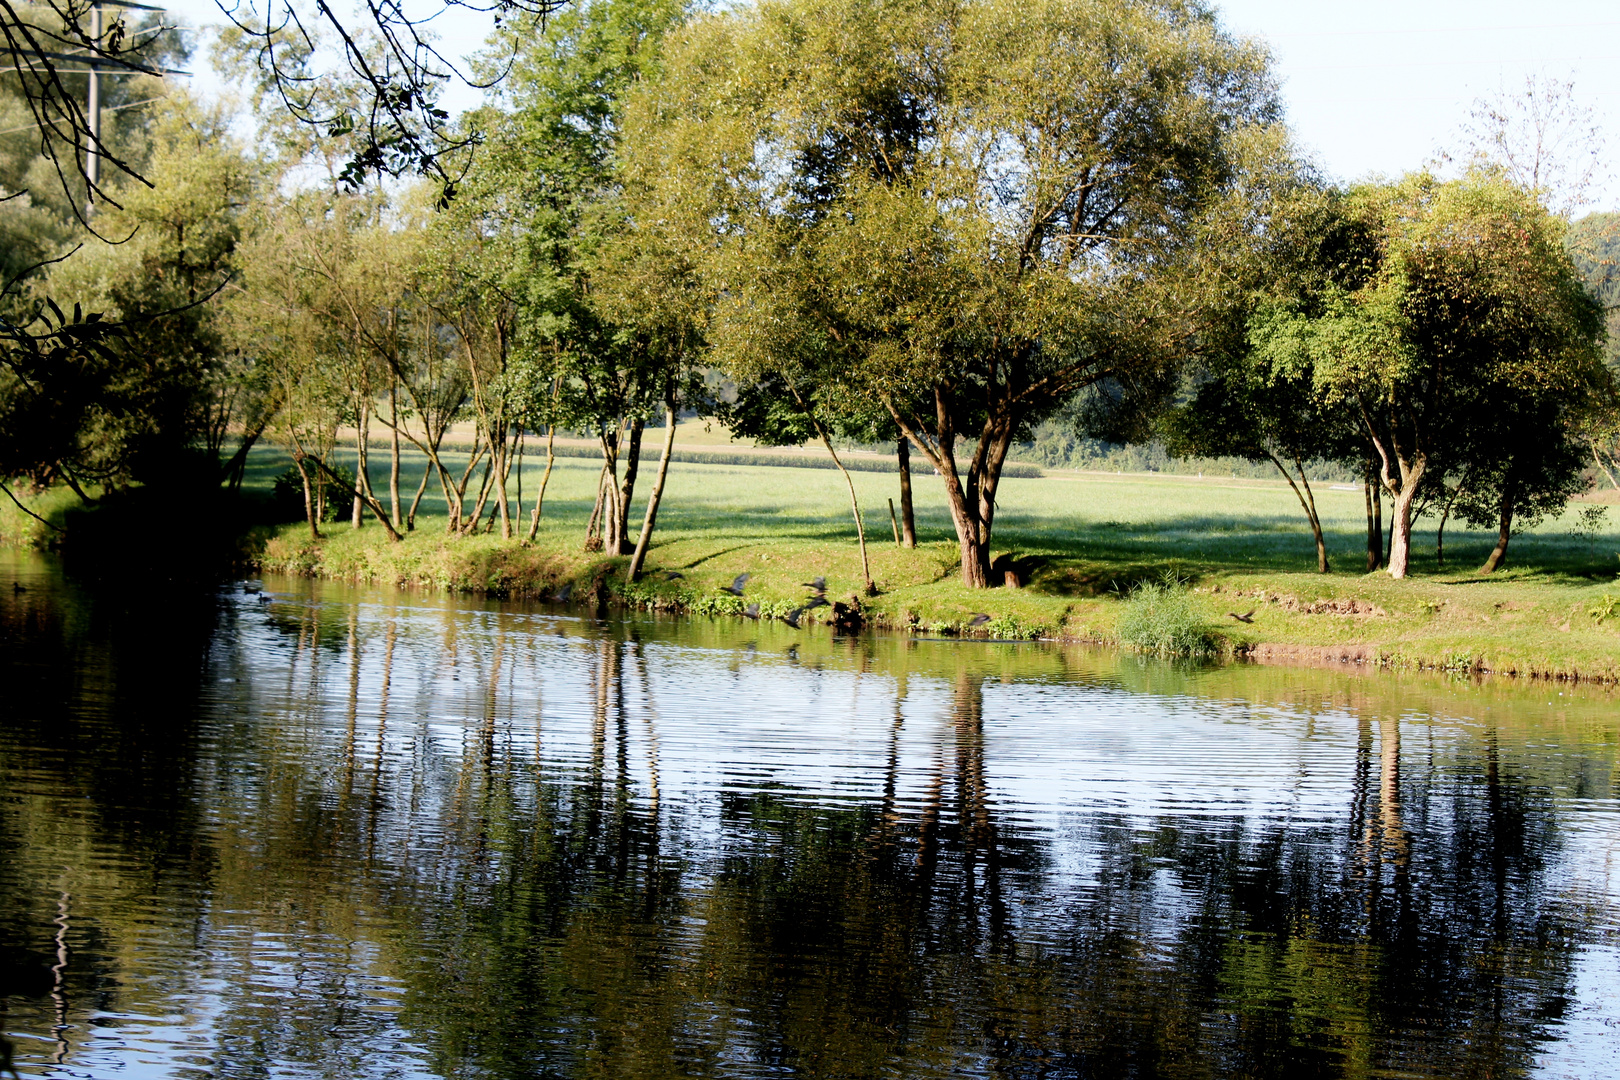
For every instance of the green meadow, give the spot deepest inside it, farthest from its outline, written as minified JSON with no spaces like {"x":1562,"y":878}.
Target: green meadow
{"x":1085,"y":539}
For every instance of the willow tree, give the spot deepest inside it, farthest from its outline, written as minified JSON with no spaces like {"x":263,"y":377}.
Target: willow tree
{"x":1473,"y":313}
{"x":964,"y":212}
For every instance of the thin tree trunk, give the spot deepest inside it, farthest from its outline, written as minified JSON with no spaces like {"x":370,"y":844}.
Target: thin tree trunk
{"x":416,"y":501}
{"x":644,"y":540}
{"x":1375,"y":524}
{"x":310,"y":513}
{"x":477,"y":515}
{"x":632,"y":464}
{"x":458,"y":492}
{"x":545,"y":478}
{"x":517,"y":505}
{"x":908,"y":521}
{"x":361,"y":433}
{"x":1504,"y":532}
{"x":370,"y":501}
{"x":1308,"y":501}
{"x":894,"y":521}
{"x":503,"y":472}
{"x":1597,"y":458}
{"x":393,"y":458}
{"x":854,"y":505}
{"x":592,"y":535}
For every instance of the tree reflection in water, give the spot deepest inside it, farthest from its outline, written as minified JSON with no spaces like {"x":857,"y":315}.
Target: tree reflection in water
{"x":455,"y":841}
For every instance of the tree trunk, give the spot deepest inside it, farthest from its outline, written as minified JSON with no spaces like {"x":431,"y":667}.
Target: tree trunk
{"x":619,"y":543}
{"x":456,"y":494}
{"x":416,"y":500}
{"x":1375,"y":524}
{"x":503,"y":472}
{"x":973,"y":508}
{"x":369,"y":500}
{"x":545,"y":478}
{"x":1504,"y":532}
{"x":362,"y":432}
{"x":854,"y":506}
{"x":310,"y":512}
{"x":908,"y":521}
{"x":593,"y":536}
{"x":393,"y":458}
{"x":1400,"y":528}
{"x":1307,"y":500}
{"x":470,"y":526}
{"x":642,"y":541}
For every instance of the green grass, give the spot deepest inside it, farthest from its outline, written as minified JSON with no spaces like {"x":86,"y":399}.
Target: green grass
{"x":1088,"y":539}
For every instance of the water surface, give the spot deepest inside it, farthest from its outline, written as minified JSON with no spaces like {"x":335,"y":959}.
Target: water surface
{"x":366,"y":833}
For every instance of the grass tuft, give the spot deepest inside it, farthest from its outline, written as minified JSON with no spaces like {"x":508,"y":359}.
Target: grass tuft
{"x":1159,"y":618}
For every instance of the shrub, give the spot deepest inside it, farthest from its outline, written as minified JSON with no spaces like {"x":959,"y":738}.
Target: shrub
{"x":1159,"y":619}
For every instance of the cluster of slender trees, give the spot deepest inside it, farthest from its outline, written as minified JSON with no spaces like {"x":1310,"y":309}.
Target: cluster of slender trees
{"x":926,"y":222}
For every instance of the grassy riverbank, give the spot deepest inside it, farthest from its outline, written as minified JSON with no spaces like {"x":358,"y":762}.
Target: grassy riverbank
{"x":1240,"y":545}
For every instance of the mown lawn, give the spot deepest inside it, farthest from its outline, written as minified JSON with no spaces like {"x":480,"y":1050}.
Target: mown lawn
{"x":1241,"y":545}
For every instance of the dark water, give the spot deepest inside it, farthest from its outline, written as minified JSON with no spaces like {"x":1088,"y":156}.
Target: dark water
{"x":359,"y":833}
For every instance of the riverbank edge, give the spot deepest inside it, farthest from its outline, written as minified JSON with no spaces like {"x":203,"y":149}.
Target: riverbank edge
{"x":940,"y":606}
{"x":1349,"y":622}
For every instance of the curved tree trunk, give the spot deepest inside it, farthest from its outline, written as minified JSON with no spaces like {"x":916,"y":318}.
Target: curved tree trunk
{"x":545,"y":478}
{"x":1308,"y":501}
{"x":642,"y":541}
{"x":1504,"y":532}
{"x":972,"y":505}
{"x":854,"y":506}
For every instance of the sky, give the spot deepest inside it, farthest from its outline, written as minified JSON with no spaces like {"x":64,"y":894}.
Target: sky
{"x":1372,"y":87}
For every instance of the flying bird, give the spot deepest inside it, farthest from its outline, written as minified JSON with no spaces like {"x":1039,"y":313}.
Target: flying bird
{"x":814,"y":602}
{"x":819,"y":585}
{"x":792,"y":617}
{"x":751,"y":612}
{"x":564,"y":593}
{"x":979,"y":619}
{"x":736,"y":586}
{"x":1248,"y":618}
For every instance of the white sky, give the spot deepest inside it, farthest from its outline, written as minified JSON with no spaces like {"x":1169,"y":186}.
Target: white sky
{"x":1376,"y":86}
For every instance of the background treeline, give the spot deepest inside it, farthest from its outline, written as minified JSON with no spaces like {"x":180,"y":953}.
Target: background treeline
{"x":1072,"y":233}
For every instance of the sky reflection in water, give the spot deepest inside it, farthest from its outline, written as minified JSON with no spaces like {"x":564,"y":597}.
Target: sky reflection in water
{"x":372,"y":834}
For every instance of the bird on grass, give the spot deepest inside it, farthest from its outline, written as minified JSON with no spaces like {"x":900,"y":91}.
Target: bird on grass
{"x":1248,"y":618}
{"x":751,"y":612}
{"x":564,"y":593}
{"x":819,"y":585}
{"x":979,"y":619}
{"x":736,"y":586}
{"x":674,"y":575}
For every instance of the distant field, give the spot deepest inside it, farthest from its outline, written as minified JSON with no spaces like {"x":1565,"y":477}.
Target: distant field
{"x":1198,"y":525}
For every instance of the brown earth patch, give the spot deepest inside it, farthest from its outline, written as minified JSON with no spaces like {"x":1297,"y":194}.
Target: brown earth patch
{"x":1272,"y":652}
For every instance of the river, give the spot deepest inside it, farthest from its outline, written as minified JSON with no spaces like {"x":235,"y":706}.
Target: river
{"x":343,"y":831}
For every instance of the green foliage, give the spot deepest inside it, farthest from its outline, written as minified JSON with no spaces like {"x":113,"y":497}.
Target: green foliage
{"x":1159,"y":617}
{"x":827,"y":162}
